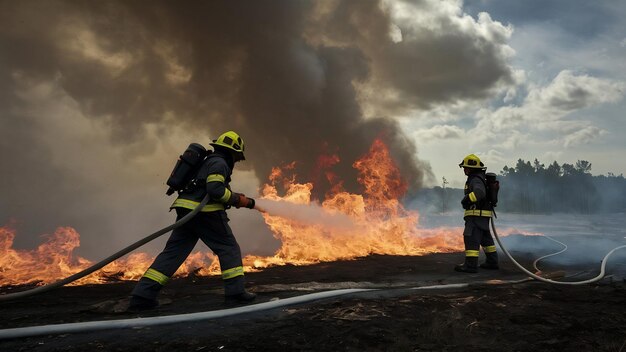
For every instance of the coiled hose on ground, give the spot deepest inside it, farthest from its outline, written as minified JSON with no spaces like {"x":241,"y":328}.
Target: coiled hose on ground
{"x":106,"y":260}
{"x":542,"y":279}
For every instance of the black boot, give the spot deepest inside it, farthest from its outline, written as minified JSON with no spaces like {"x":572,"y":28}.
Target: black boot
{"x":491,"y":262}
{"x":139,"y":304}
{"x":470,"y":265}
{"x":244,"y":297}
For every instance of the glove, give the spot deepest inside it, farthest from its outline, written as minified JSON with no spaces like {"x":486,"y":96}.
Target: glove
{"x":245,"y":202}
{"x":466,"y":202}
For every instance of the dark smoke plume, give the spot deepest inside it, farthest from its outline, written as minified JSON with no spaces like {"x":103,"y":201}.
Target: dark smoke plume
{"x":284,"y":74}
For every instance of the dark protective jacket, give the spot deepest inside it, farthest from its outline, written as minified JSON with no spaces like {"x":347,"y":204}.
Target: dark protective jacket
{"x":212,"y":178}
{"x":475,"y":200}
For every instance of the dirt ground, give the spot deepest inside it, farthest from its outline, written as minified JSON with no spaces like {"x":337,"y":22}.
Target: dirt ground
{"x":528,"y":316}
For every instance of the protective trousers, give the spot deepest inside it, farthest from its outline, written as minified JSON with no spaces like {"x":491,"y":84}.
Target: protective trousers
{"x":213,"y":229}
{"x":475,"y":235}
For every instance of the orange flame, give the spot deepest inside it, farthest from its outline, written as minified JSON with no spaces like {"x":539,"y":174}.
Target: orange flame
{"x":377,"y":223}
{"x":380,"y":224}
{"x":54,"y":260}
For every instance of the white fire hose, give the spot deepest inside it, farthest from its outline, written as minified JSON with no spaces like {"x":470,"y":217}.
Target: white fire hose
{"x":169,"y":319}
{"x":216,"y":314}
{"x":543,"y":279}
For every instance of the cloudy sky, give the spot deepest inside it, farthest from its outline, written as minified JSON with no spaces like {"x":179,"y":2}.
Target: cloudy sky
{"x":97,"y":99}
{"x":565,"y":102}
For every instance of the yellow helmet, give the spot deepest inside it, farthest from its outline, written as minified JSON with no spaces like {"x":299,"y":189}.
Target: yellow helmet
{"x":232,"y":141}
{"x":472,"y":161}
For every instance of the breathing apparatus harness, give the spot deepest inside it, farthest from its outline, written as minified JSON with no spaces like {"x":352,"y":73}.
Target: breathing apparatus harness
{"x":187,"y":166}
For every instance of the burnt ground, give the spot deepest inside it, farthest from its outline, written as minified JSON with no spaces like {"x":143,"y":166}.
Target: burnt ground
{"x":528,"y":316}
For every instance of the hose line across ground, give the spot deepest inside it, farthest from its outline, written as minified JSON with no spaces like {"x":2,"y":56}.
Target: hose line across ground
{"x":543,"y":279}
{"x":107,"y":260}
{"x":215,"y":314}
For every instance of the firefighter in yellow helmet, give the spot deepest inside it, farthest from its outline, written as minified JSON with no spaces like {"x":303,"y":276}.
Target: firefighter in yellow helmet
{"x":477,"y":213}
{"x":210,"y":225}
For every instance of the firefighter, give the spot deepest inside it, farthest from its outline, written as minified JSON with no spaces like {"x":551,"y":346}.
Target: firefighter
{"x":210,"y":225}
{"x":478,"y":212}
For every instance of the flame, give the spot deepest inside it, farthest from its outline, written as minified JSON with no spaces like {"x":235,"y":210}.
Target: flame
{"x":343,"y":226}
{"x":325,"y":161}
{"x":379,"y":222}
{"x":55,"y":259}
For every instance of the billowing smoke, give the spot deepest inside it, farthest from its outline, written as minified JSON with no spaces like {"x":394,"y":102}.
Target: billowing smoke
{"x":98,"y":98}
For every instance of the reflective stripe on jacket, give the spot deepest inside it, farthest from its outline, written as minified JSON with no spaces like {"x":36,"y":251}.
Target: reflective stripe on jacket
{"x":478,"y":212}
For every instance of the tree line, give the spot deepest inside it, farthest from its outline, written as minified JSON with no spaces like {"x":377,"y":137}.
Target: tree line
{"x":533,"y":187}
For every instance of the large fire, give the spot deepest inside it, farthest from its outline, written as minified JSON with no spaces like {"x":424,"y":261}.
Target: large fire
{"x":379,"y":223}
{"x":374,"y":222}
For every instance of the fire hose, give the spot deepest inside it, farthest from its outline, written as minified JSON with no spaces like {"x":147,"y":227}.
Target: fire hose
{"x":543,"y":279}
{"x":216,"y":314}
{"x":107,"y":260}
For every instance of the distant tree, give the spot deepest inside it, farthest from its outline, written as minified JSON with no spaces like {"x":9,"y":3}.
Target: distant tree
{"x":506,"y":171}
{"x":523,"y":168}
{"x":554,"y":170}
{"x":583,"y":166}
{"x":568,"y":169}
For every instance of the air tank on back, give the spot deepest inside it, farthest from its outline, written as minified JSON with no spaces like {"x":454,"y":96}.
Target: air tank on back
{"x":186,"y":167}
